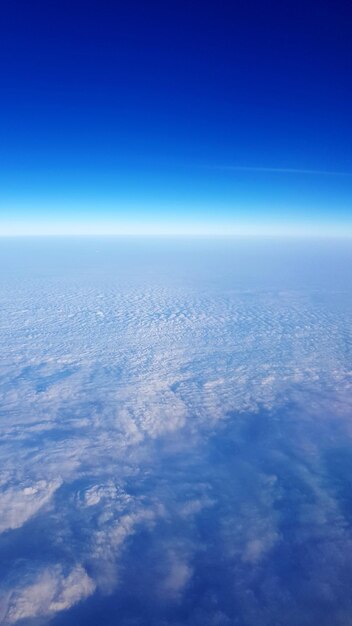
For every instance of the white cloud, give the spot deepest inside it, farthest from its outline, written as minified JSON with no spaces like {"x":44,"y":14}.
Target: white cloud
{"x":52,"y":591}
{"x":19,"y":504}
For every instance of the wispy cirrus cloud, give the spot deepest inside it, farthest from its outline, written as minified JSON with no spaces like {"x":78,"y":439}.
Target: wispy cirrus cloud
{"x":280,"y":170}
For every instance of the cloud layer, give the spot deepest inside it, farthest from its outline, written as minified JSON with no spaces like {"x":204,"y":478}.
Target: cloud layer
{"x":172,"y":436}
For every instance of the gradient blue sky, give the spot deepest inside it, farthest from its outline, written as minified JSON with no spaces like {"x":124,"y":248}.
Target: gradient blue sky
{"x":176,"y":117}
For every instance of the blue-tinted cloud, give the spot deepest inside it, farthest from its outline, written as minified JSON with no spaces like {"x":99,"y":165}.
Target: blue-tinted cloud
{"x":173,"y":419}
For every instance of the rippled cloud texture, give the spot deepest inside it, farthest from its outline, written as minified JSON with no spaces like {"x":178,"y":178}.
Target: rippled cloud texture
{"x":176,"y":433}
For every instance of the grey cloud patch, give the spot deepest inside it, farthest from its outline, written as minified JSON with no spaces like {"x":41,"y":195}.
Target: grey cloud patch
{"x":178,"y":575}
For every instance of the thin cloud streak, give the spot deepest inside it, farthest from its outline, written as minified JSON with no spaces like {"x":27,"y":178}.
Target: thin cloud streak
{"x":280,"y":170}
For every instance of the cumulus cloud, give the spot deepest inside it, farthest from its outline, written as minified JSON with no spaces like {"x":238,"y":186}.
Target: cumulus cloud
{"x":20,"y":504}
{"x":50,"y":592}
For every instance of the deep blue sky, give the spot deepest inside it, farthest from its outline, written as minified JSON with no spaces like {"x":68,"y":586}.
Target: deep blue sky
{"x":176,"y":116}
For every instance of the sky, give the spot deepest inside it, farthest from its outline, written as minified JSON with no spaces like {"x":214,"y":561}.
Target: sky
{"x":227,"y":117}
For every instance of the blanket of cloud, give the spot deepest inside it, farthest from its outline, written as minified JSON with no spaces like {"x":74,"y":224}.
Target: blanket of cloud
{"x":176,"y":434}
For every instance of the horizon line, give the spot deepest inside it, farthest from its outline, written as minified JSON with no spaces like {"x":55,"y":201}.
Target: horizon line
{"x":184,"y":235}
